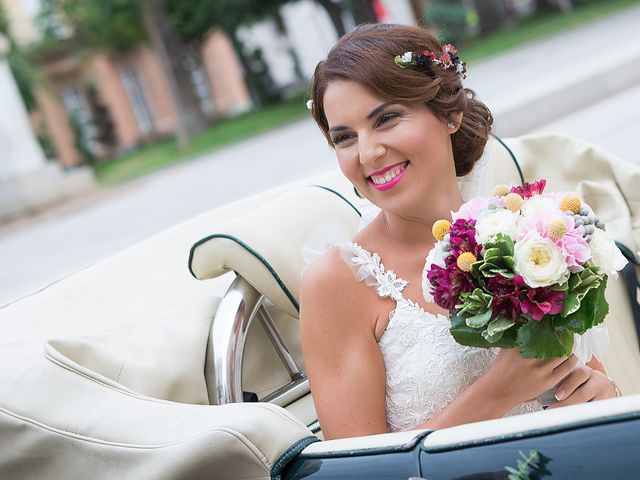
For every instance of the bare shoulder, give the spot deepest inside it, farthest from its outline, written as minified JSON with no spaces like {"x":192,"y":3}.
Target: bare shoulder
{"x":330,"y":293}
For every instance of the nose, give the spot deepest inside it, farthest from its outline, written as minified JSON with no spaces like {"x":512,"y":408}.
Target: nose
{"x":370,"y":150}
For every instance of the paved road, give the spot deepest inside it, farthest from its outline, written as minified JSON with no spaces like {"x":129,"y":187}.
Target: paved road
{"x":613,"y":124}
{"x":34,"y":254}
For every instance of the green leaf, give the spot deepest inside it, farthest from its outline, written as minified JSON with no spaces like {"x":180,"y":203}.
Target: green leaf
{"x":579,"y":285}
{"x":466,"y":335}
{"x":500,"y":324}
{"x":480,"y":320}
{"x":597,"y":303}
{"x":496,"y":330}
{"x":593,"y":310}
{"x":474,"y":303}
{"x":492,"y":337}
{"x":498,"y":256}
{"x":539,"y":339}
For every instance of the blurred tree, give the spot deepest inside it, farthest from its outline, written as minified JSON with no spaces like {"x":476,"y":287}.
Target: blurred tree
{"x":194,"y":20}
{"x":121,"y":25}
{"x":22,"y":71}
{"x":104,"y":129}
{"x":112,"y":24}
{"x":550,"y":5}
{"x":335,"y":9}
{"x":363,"y":11}
{"x":449,"y":18}
{"x":419,"y":7}
{"x":493,"y":15}
{"x":172,"y":53}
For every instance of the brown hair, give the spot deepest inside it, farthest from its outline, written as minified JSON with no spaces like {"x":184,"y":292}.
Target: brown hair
{"x":366,"y":56}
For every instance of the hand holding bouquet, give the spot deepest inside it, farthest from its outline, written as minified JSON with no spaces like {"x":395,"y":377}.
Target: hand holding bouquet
{"x":522,"y":268}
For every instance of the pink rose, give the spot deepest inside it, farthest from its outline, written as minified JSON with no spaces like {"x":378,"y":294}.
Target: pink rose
{"x":471,"y":209}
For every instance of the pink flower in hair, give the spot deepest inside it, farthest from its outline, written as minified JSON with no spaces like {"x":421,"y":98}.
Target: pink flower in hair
{"x":448,"y":48}
{"x":446,"y":60}
{"x":429,"y":55}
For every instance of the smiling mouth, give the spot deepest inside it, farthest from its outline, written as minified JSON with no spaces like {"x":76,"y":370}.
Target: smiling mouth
{"x":388,"y":178}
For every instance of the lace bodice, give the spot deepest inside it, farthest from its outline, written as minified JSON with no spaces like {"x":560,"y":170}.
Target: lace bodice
{"x":425,"y":367}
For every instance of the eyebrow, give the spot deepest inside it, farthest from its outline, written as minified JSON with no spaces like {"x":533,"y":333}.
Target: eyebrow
{"x":370,"y":115}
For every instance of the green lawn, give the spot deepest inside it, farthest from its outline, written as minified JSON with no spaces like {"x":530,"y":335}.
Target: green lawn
{"x":153,"y":157}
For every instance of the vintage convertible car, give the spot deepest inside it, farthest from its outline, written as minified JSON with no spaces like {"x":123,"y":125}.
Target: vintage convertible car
{"x":179,"y":357}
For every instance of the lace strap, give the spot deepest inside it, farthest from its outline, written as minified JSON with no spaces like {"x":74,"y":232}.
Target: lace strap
{"x":369,"y":268}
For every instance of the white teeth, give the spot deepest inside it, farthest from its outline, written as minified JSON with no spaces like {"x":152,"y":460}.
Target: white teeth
{"x":390,"y":175}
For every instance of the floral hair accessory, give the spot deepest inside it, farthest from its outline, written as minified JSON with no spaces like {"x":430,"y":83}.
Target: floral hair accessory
{"x":448,"y":60}
{"x":309,"y":104}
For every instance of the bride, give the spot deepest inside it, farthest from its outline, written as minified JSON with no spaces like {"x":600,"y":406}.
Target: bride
{"x":390,"y":101}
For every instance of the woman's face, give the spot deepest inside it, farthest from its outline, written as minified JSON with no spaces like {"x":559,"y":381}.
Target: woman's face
{"x":395,"y":155}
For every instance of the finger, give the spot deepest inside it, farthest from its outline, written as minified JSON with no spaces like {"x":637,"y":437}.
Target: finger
{"x":575,"y":379}
{"x":584,"y":393}
{"x":565,"y":368}
{"x":554,"y":362}
{"x":605,"y":387}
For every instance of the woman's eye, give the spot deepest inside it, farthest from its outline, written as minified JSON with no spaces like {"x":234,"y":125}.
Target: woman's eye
{"x":385,"y":118}
{"x":341,"y":138}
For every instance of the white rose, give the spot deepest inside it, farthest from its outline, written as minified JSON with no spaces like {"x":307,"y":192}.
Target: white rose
{"x":407,"y":56}
{"x":606,"y":254}
{"x":535,"y":206}
{"x":491,"y":222}
{"x":539,"y":261}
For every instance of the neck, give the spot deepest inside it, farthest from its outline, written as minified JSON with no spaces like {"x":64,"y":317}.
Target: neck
{"x":415,"y":229}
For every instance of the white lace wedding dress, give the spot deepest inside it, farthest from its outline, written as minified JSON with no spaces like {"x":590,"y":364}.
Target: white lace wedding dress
{"x":425,"y":367}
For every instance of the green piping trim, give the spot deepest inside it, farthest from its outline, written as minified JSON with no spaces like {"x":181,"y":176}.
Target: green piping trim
{"x":624,"y":417}
{"x":512,"y":156}
{"x":252,"y":252}
{"x":626,"y":251}
{"x":256,"y":254}
{"x":341,"y":196}
{"x":370,"y":451}
{"x":292,"y":452}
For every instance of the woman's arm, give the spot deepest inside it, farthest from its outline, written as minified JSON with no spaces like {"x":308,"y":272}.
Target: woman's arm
{"x":510,"y":381}
{"x":341,"y":356}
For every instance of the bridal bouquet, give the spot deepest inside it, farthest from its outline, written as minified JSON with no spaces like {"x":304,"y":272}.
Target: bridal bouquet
{"x":522,"y":268}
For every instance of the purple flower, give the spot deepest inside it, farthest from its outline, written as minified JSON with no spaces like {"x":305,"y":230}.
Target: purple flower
{"x":506,"y":295}
{"x":528,"y":190}
{"x":539,"y":302}
{"x":447,"y":284}
{"x":462,"y":237}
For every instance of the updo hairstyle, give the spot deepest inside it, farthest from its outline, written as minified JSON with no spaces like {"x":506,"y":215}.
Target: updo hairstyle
{"x":366,"y":56}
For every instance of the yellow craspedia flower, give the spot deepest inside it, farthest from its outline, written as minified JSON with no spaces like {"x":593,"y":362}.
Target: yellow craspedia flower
{"x":465,"y":260}
{"x":440,"y":229}
{"x":513,"y":202}
{"x":500,"y":190}
{"x":557,"y":229}
{"x":571,"y":202}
